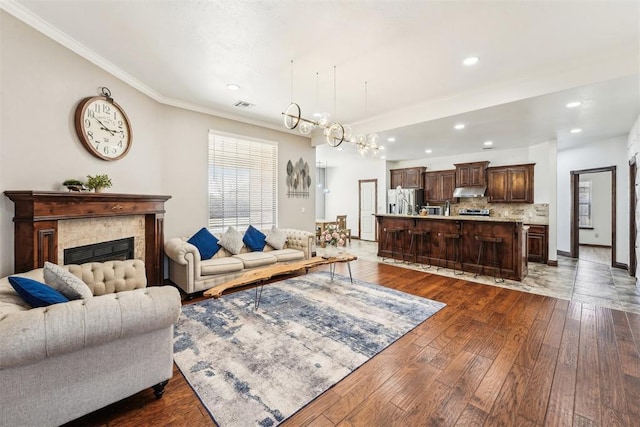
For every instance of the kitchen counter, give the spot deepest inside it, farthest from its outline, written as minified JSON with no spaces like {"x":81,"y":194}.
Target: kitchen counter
{"x":512,"y":251}
{"x":532,"y":220}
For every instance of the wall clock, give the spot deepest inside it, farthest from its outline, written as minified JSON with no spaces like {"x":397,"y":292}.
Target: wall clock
{"x":103,"y":127}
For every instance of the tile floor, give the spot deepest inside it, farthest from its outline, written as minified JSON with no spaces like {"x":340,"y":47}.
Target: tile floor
{"x":582,"y":280}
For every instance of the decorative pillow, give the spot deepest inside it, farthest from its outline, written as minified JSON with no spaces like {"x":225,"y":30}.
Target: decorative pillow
{"x":231,"y":240}
{"x":206,"y":243}
{"x":254,"y":239}
{"x":276,"y":238}
{"x":64,"y":282}
{"x":36,"y":294}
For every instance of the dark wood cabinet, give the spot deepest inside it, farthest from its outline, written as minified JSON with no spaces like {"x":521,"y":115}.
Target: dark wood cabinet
{"x":407,"y":177}
{"x":471,"y":174}
{"x":439,"y":186}
{"x":537,"y":245}
{"x":510,"y":184}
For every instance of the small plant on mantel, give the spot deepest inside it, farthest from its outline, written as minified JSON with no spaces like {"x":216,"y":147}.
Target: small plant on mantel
{"x":98,"y":182}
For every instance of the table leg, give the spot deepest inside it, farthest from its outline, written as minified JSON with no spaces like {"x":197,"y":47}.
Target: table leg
{"x":349,"y":267}
{"x":332,"y":269}
{"x":256,"y":303}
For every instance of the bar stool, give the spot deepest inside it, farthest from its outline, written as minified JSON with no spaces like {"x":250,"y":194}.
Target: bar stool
{"x":444,"y":243}
{"x":494,"y":242}
{"x":419,"y":239}
{"x":395,"y":234}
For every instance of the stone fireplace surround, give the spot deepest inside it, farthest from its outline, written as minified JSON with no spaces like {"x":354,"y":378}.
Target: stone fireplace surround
{"x":47,"y":222}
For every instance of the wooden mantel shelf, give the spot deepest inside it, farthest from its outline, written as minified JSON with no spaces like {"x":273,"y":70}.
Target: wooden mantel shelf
{"x":37,"y":214}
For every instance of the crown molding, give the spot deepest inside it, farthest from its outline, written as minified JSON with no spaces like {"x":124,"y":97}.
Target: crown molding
{"x":15,"y":9}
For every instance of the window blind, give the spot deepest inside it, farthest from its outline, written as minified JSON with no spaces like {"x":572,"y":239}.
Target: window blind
{"x":243,"y":184}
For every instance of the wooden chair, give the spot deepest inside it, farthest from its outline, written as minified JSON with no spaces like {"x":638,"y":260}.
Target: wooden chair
{"x":342,"y":226}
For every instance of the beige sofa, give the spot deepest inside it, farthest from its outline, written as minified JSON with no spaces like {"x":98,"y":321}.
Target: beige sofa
{"x":66,"y":360}
{"x":193,"y":274}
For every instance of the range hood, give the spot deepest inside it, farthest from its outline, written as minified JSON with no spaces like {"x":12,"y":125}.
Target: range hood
{"x":469,"y":191}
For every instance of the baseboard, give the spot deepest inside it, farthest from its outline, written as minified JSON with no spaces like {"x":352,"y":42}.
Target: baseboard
{"x":552,"y":263}
{"x":596,"y":246}
{"x":563,"y":253}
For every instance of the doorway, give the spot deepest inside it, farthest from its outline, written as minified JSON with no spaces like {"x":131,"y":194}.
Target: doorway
{"x":367,"y":202}
{"x":593,"y":215}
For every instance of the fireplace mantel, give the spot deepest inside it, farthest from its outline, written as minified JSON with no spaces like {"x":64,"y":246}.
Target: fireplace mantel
{"x":37,"y":214}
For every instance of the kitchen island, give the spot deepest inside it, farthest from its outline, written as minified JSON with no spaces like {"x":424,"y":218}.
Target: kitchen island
{"x":512,"y":251}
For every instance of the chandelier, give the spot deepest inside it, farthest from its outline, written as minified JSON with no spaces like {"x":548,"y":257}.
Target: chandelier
{"x":335,"y":133}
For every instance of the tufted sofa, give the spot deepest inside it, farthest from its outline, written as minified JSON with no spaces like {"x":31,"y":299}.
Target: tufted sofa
{"x":193,"y":274}
{"x":60,"y":362}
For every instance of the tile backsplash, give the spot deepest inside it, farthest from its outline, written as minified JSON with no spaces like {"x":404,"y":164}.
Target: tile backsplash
{"x":529,"y":213}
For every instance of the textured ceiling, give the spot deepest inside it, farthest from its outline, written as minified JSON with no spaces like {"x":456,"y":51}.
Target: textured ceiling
{"x":409,"y":52}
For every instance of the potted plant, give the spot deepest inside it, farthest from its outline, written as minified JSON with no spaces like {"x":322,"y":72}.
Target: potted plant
{"x":98,"y":182}
{"x":74,"y":185}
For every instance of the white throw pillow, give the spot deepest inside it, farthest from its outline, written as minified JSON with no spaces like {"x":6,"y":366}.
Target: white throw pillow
{"x":276,"y":238}
{"x":64,"y":282}
{"x":231,"y":240}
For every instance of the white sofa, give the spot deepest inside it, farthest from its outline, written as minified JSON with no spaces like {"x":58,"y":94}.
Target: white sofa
{"x":60,"y":362}
{"x":193,"y":274}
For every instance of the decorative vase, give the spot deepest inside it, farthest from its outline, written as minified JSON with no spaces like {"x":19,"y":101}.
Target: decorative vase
{"x":98,"y":189}
{"x":331,"y":251}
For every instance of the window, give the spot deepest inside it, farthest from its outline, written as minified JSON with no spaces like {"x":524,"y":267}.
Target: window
{"x":243,"y":184}
{"x":584,"y":205}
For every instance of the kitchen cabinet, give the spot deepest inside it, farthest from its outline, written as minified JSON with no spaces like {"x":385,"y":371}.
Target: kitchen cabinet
{"x":439,"y":186}
{"x":471,"y":174}
{"x":510,"y":184}
{"x":537,"y":243}
{"x":407,"y":177}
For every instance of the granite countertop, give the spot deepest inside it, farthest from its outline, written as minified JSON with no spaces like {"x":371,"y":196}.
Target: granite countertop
{"x":458,"y":218}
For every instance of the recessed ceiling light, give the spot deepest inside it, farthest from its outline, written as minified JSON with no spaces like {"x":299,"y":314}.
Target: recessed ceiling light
{"x":488,"y":143}
{"x":428,"y":151}
{"x":574,"y":104}
{"x":232,"y":86}
{"x":383,"y":157}
{"x":391,"y":139}
{"x":459,"y":126}
{"x":576,"y":130}
{"x":472,"y":60}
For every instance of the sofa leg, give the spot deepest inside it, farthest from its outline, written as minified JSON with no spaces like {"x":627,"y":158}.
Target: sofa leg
{"x":158,"y":389}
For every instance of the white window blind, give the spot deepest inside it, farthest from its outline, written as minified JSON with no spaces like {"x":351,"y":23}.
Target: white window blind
{"x":243,"y":184}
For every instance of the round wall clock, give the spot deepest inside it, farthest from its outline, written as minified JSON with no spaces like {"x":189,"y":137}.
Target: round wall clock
{"x":103,"y":127}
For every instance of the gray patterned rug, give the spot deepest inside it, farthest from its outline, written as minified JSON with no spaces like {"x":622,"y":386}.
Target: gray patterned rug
{"x":259,"y":367}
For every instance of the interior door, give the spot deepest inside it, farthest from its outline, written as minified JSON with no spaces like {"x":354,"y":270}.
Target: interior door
{"x":368,"y":202}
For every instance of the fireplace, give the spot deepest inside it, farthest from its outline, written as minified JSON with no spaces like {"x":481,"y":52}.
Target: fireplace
{"x":42,"y":217}
{"x":120,"y":249}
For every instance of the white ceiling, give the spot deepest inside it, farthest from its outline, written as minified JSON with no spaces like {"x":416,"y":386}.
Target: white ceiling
{"x":535,"y":56}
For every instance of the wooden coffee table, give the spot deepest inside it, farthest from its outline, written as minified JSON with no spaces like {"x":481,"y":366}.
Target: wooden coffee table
{"x":261,"y":275}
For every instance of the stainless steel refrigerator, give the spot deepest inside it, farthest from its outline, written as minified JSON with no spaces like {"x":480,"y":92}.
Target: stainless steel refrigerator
{"x":404,"y":201}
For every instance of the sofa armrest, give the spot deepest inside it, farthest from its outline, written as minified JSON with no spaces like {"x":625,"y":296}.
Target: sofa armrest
{"x":58,"y":329}
{"x":182,"y":252}
{"x":301,"y":240}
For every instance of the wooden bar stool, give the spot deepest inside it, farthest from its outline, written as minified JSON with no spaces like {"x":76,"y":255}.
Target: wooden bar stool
{"x":444,"y":243}
{"x":494,"y":242}
{"x":396,"y":243}
{"x":419,"y":239}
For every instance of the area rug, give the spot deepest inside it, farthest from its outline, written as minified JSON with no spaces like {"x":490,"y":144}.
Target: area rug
{"x":258,"y":367}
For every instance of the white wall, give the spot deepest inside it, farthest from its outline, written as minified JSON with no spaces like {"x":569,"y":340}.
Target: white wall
{"x":600,"y":210}
{"x":343,"y":172}
{"x":41,"y":82}
{"x":611,"y":152}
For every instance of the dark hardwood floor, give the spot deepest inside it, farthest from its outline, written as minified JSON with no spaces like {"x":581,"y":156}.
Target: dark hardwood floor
{"x":492,"y":356}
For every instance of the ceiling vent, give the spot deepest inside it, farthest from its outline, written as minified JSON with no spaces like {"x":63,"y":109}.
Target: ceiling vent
{"x":243,"y":104}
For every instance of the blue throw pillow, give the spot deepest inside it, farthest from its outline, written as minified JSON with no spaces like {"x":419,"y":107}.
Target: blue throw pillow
{"x":206,"y":243}
{"x":36,"y":294}
{"x":254,"y":239}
